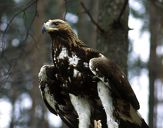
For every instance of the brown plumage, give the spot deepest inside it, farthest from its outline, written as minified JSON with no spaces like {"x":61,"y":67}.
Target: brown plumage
{"x":83,"y":85}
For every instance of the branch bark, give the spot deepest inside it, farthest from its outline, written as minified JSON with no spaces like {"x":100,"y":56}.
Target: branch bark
{"x":91,"y":18}
{"x":28,"y":5}
{"x":114,"y":43}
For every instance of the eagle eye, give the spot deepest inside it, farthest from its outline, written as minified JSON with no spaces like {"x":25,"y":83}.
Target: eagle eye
{"x":55,"y":23}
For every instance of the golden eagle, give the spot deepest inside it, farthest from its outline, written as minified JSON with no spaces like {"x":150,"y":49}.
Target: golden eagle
{"x":83,"y":85}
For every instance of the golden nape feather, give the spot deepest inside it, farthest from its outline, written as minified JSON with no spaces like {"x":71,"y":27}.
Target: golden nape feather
{"x":83,"y":86}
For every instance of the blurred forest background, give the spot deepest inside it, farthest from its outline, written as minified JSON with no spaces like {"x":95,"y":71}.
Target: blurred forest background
{"x":23,"y":50}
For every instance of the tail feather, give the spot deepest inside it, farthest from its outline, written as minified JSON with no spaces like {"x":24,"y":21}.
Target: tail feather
{"x":129,"y":117}
{"x":144,"y":125}
{"x":127,"y":124}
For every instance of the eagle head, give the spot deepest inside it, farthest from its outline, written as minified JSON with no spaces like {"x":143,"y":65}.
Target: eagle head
{"x":56,"y":26}
{"x":61,"y":30}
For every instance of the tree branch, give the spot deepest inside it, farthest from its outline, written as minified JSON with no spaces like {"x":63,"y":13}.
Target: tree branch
{"x":122,"y":10}
{"x":158,"y":4}
{"x":4,"y":52}
{"x":65,"y":13}
{"x":91,"y":18}
{"x":13,"y":17}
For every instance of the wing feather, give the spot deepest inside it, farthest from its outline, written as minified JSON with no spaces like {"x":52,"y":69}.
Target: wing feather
{"x":107,"y":71}
{"x":57,"y":103}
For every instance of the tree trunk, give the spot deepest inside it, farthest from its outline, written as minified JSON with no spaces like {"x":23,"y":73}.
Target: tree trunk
{"x":152,"y":65}
{"x":88,"y":36}
{"x":155,"y":63}
{"x":38,"y":58}
{"x":113,"y":42}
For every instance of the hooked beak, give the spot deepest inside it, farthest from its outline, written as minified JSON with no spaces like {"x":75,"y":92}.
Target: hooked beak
{"x":47,"y":27}
{"x":43,"y":30}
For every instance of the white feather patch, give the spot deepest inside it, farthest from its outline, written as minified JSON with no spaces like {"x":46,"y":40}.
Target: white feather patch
{"x":76,"y":73}
{"x":83,"y":109}
{"x":63,"y":53}
{"x":91,"y":67}
{"x":74,"y":60}
{"x":107,"y":103}
{"x":85,"y":64}
{"x":42,"y":74}
{"x":49,"y":98}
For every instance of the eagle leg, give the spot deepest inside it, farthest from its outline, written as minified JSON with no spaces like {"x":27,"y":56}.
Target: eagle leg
{"x":107,"y":103}
{"x":82,"y":107}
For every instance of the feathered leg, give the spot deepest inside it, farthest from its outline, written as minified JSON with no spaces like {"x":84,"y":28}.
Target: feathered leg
{"x":107,"y":103}
{"x":83,"y":109}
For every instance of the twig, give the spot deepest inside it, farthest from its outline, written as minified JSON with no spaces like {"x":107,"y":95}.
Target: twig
{"x":13,"y":17}
{"x":26,"y":36}
{"x":122,"y":11}
{"x":91,"y":18}
{"x":30,"y":25}
{"x":65,"y":13}
{"x":157,"y":4}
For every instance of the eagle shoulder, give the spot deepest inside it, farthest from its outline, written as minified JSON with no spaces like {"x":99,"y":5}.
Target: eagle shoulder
{"x":107,"y":71}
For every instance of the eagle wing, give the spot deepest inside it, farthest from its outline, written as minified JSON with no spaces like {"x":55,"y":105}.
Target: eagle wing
{"x":56,"y":101}
{"x":107,"y":71}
